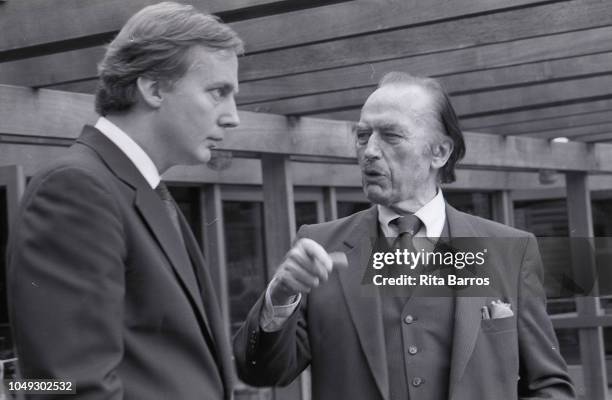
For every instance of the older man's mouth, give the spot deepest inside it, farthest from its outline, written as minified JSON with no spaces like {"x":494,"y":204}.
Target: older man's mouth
{"x":371,"y":172}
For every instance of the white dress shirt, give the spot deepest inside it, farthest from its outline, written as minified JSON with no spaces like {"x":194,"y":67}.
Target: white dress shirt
{"x":131,"y":149}
{"x":433,"y":216}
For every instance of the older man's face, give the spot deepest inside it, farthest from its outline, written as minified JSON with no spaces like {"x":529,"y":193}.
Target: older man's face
{"x":393,"y":142}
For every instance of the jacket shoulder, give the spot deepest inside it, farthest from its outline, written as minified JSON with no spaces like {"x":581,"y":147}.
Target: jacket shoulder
{"x":78,"y":165}
{"x":495,"y":229}
{"x":330,"y":229}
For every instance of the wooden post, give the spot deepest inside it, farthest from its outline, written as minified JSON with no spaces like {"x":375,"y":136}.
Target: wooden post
{"x":330,"y":203}
{"x":592,"y":349}
{"x":13,"y":178}
{"x":213,"y":243}
{"x":503,"y":208}
{"x":279,"y":210}
{"x":279,"y":228}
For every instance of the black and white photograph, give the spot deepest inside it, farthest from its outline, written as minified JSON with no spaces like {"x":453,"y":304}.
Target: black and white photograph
{"x":306,"y":199}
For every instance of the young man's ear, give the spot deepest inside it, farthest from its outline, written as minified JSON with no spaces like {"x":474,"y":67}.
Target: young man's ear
{"x":149,"y":90}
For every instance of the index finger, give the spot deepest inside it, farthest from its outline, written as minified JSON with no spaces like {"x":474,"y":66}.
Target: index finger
{"x":316,"y":252}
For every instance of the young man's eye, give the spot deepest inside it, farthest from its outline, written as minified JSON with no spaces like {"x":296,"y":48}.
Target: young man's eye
{"x":216,"y":93}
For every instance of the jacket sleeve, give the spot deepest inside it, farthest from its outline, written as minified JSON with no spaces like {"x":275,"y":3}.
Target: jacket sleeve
{"x":66,"y":283}
{"x":543,"y":373}
{"x":273,"y":358}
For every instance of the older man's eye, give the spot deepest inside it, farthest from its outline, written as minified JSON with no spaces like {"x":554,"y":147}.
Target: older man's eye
{"x":362,"y":136}
{"x":392,"y":136}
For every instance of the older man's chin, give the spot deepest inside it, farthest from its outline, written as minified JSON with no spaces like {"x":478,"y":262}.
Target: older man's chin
{"x":375,"y":193}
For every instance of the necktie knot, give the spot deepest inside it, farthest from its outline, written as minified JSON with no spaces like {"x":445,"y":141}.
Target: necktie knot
{"x":409,"y":224}
{"x":163,"y":192}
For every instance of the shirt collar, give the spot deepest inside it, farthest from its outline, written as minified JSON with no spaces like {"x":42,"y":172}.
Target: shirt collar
{"x":432,"y":214}
{"x":131,"y":149}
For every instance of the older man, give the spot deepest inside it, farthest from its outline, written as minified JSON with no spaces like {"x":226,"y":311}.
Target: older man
{"x":108,"y":287}
{"x":404,"y":346}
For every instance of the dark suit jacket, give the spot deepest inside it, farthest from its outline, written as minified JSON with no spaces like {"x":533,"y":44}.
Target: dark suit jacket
{"x":338,"y":329}
{"x":101,"y":290}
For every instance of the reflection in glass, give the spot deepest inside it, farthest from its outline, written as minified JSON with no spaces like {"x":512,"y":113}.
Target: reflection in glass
{"x":245,"y":252}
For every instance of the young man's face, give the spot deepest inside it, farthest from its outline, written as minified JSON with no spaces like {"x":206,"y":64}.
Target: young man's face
{"x":393,"y":142}
{"x":200,"y":105}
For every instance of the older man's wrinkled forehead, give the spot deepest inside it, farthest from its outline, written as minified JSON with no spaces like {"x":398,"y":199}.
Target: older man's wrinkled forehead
{"x":399,"y":100}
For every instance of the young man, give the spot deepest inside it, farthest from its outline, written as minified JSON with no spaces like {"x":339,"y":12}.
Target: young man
{"x":108,"y":287}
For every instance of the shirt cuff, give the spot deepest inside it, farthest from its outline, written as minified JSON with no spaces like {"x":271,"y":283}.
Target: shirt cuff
{"x":273,"y":317}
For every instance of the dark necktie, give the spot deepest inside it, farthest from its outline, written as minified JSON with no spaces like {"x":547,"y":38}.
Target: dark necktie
{"x":164,"y":194}
{"x":407,"y":228}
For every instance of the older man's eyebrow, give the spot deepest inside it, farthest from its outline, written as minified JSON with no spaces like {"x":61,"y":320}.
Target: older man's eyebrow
{"x":388,"y":126}
{"x":359,"y":125}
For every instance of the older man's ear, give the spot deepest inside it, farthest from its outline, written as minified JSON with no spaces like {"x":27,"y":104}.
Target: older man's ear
{"x":441,"y":152}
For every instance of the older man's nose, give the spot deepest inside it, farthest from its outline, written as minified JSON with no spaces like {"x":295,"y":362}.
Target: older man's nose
{"x":372,"y":148}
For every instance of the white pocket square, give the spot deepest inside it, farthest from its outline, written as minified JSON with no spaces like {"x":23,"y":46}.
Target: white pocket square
{"x":498,"y":309}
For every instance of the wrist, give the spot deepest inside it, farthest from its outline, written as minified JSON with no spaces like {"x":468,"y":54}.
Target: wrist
{"x":281,"y":296}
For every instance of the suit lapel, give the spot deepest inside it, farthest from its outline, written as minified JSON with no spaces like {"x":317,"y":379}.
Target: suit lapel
{"x":156,"y":217}
{"x":365,"y":307}
{"x":467,"y":309}
{"x":214,"y":323}
{"x":151,"y":209}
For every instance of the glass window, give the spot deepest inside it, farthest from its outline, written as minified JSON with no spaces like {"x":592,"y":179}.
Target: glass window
{"x":475,"y":203}
{"x":3,"y":242}
{"x":245,"y":252}
{"x":188,"y":200}
{"x":5,"y":332}
{"x":305,"y":213}
{"x":346,"y":208}
{"x":602,"y":217}
{"x":569,"y":345}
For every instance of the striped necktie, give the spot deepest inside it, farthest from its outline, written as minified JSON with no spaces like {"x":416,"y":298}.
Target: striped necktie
{"x":407,"y":228}
{"x":164,"y":194}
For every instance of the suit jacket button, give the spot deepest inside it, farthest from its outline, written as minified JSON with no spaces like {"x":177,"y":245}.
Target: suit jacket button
{"x":412,"y":350}
{"x":409,"y":319}
{"x":416,"y":382}
{"x":253,"y":362}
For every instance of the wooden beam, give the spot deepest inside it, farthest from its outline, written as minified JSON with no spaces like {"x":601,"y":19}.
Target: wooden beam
{"x":592,"y":348}
{"x":573,"y":321}
{"x":39,"y":22}
{"x":575,"y":132}
{"x":421,"y":39}
{"x":478,"y":103}
{"x":248,"y":172}
{"x":47,"y":113}
{"x":487,"y":123}
{"x":359,"y":17}
{"x":597,"y":137}
{"x":292,"y":28}
{"x":495,"y":65}
{"x":552,"y":124}
{"x":483,"y":123}
{"x":79,"y":65}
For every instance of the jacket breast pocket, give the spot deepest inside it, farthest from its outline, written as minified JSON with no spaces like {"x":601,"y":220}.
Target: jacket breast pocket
{"x":498,"y":324}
